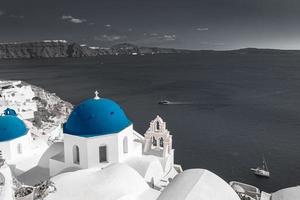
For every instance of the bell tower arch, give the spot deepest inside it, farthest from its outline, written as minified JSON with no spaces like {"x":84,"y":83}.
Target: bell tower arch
{"x":158,"y":140}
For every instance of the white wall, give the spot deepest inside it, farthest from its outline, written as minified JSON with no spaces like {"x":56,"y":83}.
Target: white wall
{"x":5,"y":149}
{"x":27,"y":114}
{"x":55,"y":167}
{"x":69,"y":142}
{"x":111,"y":143}
{"x":154,"y":172}
{"x":167,"y":162}
{"x":10,"y":149}
{"x":134,"y":148}
{"x":89,"y":148}
{"x":6,"y":191}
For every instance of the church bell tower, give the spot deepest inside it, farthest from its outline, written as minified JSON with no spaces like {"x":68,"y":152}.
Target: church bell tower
{"x":158,"y":140}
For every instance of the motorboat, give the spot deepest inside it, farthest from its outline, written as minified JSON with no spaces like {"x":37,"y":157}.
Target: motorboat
{"x":164,"y":102}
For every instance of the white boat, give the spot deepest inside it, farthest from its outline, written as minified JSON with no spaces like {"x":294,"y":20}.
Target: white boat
{"x":262,"y":171}
{"x":164,"y":102}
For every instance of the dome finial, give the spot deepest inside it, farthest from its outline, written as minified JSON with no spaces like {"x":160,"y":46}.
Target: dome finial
{"x":96,"y":95}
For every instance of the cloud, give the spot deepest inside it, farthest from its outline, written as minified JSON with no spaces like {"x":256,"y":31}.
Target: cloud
{"x":201,"y":29}
{"x":110,"y":38}
{"x":169,"y":37}
{"x":2,"y":12}
{"x":72,"y":19}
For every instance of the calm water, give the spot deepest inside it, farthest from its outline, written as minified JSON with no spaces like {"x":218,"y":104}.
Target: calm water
{"x":239,"y":107}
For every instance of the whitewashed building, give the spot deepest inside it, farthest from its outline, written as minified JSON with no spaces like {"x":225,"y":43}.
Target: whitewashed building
{"x":19,"y":97}
{"x":15,"y":137}
{"x":103,"y":157}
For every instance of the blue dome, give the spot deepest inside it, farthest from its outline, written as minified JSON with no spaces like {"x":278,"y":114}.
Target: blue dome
{"x":11,"y":127}
{"x":9,"y":111}
{"x":94,"y":117}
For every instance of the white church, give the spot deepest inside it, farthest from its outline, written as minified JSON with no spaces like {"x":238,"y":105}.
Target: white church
{"x":103,"y":157}
{"x":98,"y":133}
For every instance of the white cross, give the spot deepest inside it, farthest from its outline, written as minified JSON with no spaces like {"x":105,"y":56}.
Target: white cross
{"x":96,"y":95}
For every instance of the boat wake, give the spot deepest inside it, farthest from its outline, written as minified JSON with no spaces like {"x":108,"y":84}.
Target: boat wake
{"x":181,"y":103}
{"x":166,"y":102}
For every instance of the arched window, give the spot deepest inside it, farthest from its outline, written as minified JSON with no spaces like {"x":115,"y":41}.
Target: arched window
{"x":157,"y":126}
{"x":125,"y":145}
{"x":154,"y":141}
{"x":76,"y":155}
{"x":19,"y":148}
{"x":161,"y":142}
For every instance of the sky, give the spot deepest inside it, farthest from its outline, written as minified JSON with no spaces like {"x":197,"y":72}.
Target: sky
{"x":184,"y":24}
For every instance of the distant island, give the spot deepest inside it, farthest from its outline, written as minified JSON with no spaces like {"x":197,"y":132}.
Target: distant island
{"x":65,"y":49}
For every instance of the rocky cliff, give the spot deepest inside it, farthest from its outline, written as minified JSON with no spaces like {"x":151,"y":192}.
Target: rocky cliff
{"x":61,"y":49}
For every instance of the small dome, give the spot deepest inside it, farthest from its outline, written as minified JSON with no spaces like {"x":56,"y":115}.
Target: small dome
{"x":11,"y":127}
{"x":97,"y":116}
{"x":9,"y":111}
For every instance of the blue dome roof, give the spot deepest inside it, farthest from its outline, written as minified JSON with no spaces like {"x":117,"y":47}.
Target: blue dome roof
{"x":11,"y":127}
{"x":9,"y":111}
{"x":94,"y":117}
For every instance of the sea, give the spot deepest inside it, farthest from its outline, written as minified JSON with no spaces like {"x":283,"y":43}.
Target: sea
{"x":228,"y":112}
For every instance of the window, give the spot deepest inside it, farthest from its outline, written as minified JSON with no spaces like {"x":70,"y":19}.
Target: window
{"x":19,"y":148}
{"x":102,"y":154}
{"x":76,"y":157}
{"x":1,"y":154}
{"x":161,"y":142}
{"x":154,"y":142}
{"x":125,"y":145}
{"x":157,"y":126}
